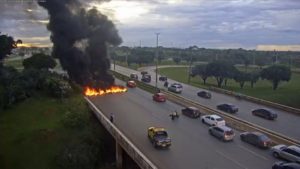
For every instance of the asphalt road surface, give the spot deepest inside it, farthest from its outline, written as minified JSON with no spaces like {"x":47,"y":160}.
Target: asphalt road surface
{"x":192,"y":146}
{"x":286,"y":123}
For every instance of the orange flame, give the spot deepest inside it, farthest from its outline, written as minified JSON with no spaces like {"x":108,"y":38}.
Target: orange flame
{"x":98,"y":92}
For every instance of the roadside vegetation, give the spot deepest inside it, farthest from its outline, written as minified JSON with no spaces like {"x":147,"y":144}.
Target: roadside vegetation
{"x":44,"y":120}
{"x":287,"y":93}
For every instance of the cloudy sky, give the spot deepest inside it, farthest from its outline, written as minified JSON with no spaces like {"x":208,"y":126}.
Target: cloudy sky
{"x":250,"y":24}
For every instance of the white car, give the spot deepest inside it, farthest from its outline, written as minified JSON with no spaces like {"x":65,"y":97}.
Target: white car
{"x":175,"y":87}
{"x":213,"y":120}
{"x":290,"y":153}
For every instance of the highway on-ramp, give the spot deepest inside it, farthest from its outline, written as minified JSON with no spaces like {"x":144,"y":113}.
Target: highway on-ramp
{"x":192,"y":146}
{"x":286,"y":124}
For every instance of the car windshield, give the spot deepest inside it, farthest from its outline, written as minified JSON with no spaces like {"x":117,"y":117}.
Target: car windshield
{"x":230,"y":132}
{"x":161,"y":134}
{"x":219,"y":119}
{"x":264,"y":138}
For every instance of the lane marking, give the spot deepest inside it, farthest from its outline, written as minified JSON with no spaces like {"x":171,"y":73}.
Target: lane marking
{"x":228,"y":158}
{"x":252,"y":152}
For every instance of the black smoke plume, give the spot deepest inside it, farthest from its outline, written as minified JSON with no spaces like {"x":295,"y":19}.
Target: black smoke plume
{"x":80,"y":38}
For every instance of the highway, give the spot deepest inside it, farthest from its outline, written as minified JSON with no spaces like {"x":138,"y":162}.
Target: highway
{"x":192,"y":146}
{"x":286,"y":123}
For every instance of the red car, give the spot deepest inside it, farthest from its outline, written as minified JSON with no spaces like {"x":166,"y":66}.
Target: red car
{"x":131,"y":84}
{"x":159,"y":97}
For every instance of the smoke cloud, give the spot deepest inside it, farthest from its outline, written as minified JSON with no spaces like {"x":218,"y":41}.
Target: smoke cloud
{"x":80,"y":38}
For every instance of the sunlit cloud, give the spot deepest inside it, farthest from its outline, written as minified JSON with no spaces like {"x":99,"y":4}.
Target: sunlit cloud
{"x":278,"y":47}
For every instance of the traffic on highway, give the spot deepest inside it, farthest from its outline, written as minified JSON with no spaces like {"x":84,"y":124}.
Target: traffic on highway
{"x":189,"y":141}
{"x":282,"y":122}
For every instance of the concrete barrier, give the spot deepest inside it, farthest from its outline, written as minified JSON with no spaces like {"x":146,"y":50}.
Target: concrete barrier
{"x":231,"y":120}
{"x":126,"y":144}
{"x":257,"y":100}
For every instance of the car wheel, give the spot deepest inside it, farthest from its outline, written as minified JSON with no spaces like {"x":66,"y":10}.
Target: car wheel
{"x":203,"y":121}
{"x":275,"y":154}
{"x":210,"y":132}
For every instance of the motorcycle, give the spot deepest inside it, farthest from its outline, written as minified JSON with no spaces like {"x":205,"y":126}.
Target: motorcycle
{"x":174,"y":115}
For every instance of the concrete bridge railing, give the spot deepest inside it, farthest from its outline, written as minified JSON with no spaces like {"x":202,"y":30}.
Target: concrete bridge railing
{"x":122,"y":142}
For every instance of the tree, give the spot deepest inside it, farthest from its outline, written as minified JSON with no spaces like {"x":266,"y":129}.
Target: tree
{"x":275,"y":74}
{"x":241,"y":78}
{"x":201,"y":71}
{"x":177,"y":60}
{"x":7,"y":44}
{"x":39,"y":61}
{"x":220,"y":70}
{"x":253,"y":78}
{"x":246,"y":61}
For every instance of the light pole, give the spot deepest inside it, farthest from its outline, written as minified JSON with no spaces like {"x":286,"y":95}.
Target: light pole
{"x":157,"y":34}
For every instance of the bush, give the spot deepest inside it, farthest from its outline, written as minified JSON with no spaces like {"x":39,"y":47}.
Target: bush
{"x":57,"y":87}
{"x":74,"y":119}
{"x":39,"y":61}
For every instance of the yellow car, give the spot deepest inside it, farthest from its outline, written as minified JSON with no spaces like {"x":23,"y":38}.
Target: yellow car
{"x":159,"y":137}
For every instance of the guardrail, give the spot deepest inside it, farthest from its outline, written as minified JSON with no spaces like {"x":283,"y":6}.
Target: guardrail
{"x":232,"y":121}
{"x":127,"y":145}
{"x":256,"y":100}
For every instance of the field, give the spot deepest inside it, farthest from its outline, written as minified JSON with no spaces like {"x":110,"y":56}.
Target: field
{"x":32,"y":132}
{"x":288,"y":93}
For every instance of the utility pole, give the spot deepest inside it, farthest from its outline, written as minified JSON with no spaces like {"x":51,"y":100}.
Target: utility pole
{"x":157,"y":34}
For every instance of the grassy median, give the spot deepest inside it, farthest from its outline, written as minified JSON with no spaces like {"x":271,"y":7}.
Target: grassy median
{"x":288,"y":93}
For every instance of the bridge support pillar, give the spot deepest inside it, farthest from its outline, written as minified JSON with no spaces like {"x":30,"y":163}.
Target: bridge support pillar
{"x":119,"y":156}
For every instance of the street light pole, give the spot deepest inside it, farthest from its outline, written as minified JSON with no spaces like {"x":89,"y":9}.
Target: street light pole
{"x":157,"y":34}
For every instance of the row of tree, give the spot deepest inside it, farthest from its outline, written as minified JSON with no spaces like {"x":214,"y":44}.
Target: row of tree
{"x":222,"y":71}
{"x":144,"y":55}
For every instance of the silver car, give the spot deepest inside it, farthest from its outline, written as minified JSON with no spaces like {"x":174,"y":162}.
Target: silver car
{"x":290,"y":153}
{"x":222,"y":132}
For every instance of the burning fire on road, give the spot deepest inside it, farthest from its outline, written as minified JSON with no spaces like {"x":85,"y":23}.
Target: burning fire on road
{"x":98,"y":92}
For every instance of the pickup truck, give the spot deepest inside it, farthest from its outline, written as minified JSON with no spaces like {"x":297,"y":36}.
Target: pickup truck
{"x":159,"y":137}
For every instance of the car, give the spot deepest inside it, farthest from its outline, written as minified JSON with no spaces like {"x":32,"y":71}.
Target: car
{"x":256,"y":138}
{"x":192,"y":112}
{"x":265,"y":113}
{"x":131,"y":84}
{"x":222,"y":132}
{"x":285,"y":165}
{"x":159,"y":97}
{"x":144,"y":72}
{"x":163,"y":78}
{"x":146,"y":78}
{"x":175,"y":87}
{"x":213,"y":120}
{"x":227,"y":107}
{"x":159,"y":137}
{"x":290,"y":153}
{"x":204,"y":94}
{"x":134,"y":76}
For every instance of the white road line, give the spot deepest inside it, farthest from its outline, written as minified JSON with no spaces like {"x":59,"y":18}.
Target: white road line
{"x":252,"y":152}
{"x":231,"y":159}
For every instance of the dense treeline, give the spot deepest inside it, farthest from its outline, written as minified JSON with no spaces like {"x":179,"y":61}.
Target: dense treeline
{"x":140,"y":55}
{"x":224,"y":70}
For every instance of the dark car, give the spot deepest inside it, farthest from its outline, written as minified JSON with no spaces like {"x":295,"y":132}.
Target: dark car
{"x":146,"y":78}
{"x":226,"y":107}
{"x":159,"y":97}
{"x":265,"y":113}
{"x":144,"y":72}
{"x":204,"y":94}
{"x":134,"y":76}
{"x":285,"y":165}
{"x":257,"y":139}
{"x":224,"y":133}
{"x":163,"y":78}
{"x":192,"y":112}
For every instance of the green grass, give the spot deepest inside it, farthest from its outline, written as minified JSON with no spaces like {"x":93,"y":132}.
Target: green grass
{"x":288,"y":93}
{"x":32,"y":132}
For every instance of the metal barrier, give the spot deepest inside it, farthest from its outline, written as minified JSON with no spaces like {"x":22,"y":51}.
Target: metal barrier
{"x":256,"y":100}
{"x":127,"y":145}
{"x":231,"y":120}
